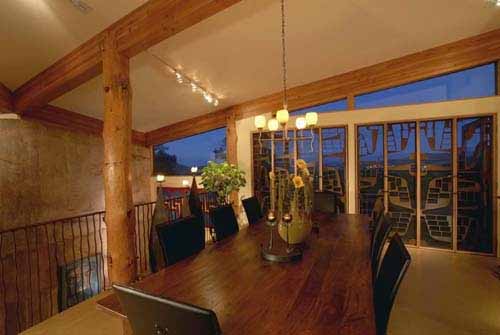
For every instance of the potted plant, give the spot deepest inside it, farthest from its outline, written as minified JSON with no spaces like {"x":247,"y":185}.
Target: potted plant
{"x":222,"y":179}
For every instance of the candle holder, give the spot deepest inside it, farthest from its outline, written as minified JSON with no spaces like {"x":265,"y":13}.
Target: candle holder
{"x":274,"y":252}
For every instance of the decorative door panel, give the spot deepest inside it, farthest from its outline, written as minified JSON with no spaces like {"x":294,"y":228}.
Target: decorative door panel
{"x":436,"y":184}
{"x":475,"y":184}
{"x":401,"y":167}
{"x":370,"y":168}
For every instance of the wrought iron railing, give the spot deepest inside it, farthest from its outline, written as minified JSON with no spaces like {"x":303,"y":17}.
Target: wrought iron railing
{"x":48,"y":267}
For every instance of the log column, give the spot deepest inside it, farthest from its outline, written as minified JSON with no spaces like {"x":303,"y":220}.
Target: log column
{"x":231,"y":153}
{"x":117,"y":136}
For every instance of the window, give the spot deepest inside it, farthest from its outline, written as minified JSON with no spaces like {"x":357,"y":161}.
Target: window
{"x":177,"y":157}
{"x":339,"y":105}
{"x":325,"y":156}
{"x":472,"y":83}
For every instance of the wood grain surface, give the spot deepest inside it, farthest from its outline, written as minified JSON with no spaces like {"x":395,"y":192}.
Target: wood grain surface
{"x":328,"y":292}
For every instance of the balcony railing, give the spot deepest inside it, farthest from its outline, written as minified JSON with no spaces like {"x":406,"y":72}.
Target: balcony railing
{"x":48,"y":267}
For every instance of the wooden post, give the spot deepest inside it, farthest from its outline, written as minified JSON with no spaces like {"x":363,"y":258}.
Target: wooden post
{"x":232,"y":156}
{"x":498,"y":77}
{"x":117,"y":136}
{"x":350,"y":102}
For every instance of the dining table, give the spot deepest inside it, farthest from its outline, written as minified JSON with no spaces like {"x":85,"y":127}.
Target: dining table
{"x":328,"y":291}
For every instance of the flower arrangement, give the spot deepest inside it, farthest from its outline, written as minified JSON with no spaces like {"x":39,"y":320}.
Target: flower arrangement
{"x":293,"y":194}
{"x":222,"y":179}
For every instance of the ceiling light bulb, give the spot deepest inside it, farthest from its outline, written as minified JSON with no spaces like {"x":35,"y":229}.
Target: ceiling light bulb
{"x":272,"y":124}
{"x":216,"y":102}
{"x":300,"y":123}
{"x":260,"y":122}
{"x":311,"y":119}
{"x":209,"y":98}
{"x":194,"y":87}
{"x":282,"y":116}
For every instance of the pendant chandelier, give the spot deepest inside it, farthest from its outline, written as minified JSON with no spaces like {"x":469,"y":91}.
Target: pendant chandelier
{"x":281,"y":116}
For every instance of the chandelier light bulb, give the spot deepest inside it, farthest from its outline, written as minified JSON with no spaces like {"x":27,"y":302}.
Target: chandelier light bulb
{"x":311,"y":119}
{"x":282,"y":116}
{"x":300,"y":123}
{"x":194,"y":87}
{"x":272,"y":124}
{"x":209,"y":98}
{"x":216,"y":102}
{"x":260,"y":122}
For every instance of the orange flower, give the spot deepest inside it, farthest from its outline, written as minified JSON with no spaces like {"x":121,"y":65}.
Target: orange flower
{"x":301,"y":164}
{"x":298,"y":182}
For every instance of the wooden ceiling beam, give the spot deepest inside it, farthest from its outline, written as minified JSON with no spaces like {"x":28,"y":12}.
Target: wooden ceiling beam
{"x":5,"y":99}
{"x":452,"y":57}
{"x":53,"y":115}
{"x":144,"y":27}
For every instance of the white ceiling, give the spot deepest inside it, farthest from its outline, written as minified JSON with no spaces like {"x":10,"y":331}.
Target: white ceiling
{"x":236,"y":53}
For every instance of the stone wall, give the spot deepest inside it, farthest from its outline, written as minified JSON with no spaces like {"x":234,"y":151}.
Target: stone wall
{"x":48,"y":173}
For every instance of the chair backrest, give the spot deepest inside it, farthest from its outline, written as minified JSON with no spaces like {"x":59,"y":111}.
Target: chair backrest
{"x":149,"y":314}
{"x":325,"y":202}
{"x":394,"y":266}
{"x":379,"y":237}
{"x":377,"y":212}
{"x":181,"y":238}
{"x":253,"y":209}
{"x":224,"y":221}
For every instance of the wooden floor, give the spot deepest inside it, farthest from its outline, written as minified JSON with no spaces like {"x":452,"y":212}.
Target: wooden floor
{"x":442,"y":294}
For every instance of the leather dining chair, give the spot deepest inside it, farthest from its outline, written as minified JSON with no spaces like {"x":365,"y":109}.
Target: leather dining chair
{"x":149,"y":314}
{"x":181,"y":238}
{"x":378,"y":240}
{"x":252,"y":209}
{"x":325,"y":202}
{"x":392,"y":271}
{"x":224,"y":222}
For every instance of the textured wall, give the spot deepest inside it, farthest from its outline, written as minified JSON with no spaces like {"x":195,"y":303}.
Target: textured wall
{"x":48,"y":173}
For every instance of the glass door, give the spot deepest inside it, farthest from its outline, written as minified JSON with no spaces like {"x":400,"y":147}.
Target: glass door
{"x":436,"y":184}
{"x":475,"y":184}
{"x":370,"y":168}
{"x":401,"y":167}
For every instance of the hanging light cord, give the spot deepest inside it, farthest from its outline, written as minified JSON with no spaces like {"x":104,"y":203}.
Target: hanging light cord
{"x":283,"y":44}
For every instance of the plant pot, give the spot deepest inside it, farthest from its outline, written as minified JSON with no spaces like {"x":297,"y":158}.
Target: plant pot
{"x":298,"y":231}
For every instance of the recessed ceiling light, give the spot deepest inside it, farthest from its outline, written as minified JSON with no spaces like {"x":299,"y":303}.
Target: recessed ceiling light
{"x":81,"y":6}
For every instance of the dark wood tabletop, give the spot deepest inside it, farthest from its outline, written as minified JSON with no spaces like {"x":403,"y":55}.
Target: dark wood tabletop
{"x":329,"y":291}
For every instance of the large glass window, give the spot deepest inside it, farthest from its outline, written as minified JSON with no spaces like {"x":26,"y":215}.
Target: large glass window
{"x":323,"y":150}
{"x":472,"y":83}
{"x":338,"y":105}
{"x":177,"y":157}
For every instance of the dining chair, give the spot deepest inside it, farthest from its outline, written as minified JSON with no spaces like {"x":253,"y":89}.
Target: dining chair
{"x":149,"y":314}
{"x":252,"y":209}
{"x":378,"y":240}
{"x":181,"y":238}
{"x":377,"y":212}
{"x":392,"y":271}
{"x":224,"y":221}
{"x":325,"y":202}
